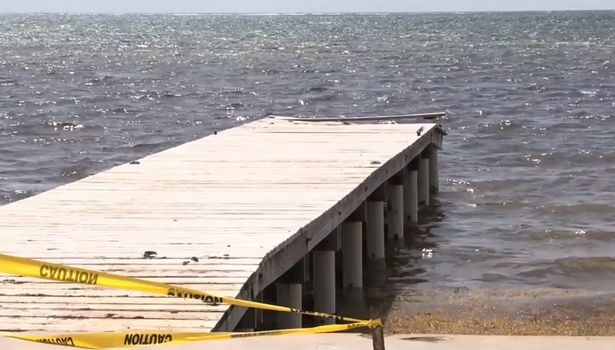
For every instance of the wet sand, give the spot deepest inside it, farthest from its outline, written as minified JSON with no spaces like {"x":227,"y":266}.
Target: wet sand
{"x":544,"y":312}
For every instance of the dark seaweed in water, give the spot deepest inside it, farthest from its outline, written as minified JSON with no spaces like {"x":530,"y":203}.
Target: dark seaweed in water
{"x":527,"y":195}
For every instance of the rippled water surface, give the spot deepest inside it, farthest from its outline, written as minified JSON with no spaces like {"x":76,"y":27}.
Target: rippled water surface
{"x":527,"y":196}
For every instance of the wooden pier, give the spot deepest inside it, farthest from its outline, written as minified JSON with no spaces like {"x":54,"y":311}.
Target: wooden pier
{"x":245,"y":212}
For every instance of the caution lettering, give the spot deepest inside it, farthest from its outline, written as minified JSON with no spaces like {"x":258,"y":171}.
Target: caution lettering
{"x":147,"y":339}
{"x":66,"y":341}
{"x":177,"y":292}
{"x":60,"y":273}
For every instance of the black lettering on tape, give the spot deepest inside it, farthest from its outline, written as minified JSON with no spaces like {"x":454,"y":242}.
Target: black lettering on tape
{"x":177,"y":292}
{"x":93,"y":278}
{"x":60,"y":273}
{"x":71,"y":276}
{"x":146,"y":339}
{"x":44,"y":271}
{"x":67,"y":341}
{"x":83,"y":277}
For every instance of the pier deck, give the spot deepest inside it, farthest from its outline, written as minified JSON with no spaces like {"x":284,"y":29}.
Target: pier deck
{"x":228,"y":214}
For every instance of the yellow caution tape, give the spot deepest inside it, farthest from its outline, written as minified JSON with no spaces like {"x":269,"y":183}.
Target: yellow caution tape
{"x":139,"y":338}
{"x":62,"y":273}
{"x":39,"y":269}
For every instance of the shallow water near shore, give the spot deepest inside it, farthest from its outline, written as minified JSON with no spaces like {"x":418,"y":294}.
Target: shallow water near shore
{"x":527,"y":196}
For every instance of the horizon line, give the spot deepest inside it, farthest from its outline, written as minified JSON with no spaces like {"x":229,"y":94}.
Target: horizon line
{"x":299,"y":12}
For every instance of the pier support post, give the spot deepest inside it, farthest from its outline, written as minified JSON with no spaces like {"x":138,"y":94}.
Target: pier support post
{"x":324,"y":283}
{"x":423,"y":181}
{"x":378,"y":338}
{"x":396,"y":212}
{"x":411,"y":199}
{"x":288,"y":294}
{"x":434,"y":183}
{"x":375,"y":230}
{"x":352,"y":254}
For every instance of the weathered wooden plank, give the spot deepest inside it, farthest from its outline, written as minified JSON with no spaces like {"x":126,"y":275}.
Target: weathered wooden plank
{"x":159,"y":277}
{"x":68,"y":291}
{"x":15,"y":323}
{"x":108,"y":263}
{"x":47,"y":301}
{"x":101,"y":311}
{"x":398,"y":117}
